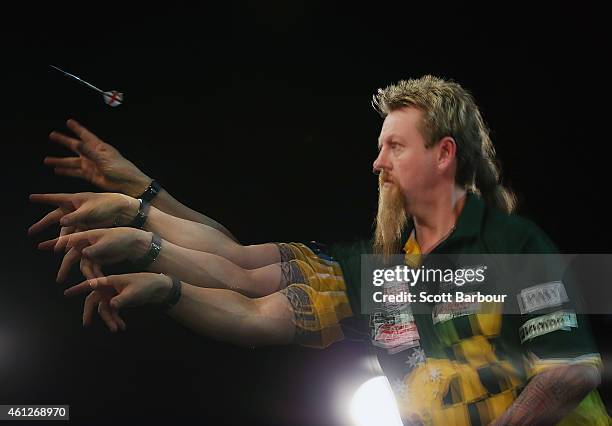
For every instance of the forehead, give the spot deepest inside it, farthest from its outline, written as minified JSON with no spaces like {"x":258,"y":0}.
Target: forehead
{"x":401,"y":123}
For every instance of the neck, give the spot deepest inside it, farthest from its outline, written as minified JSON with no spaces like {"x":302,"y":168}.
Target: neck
{"x":435,"y":218}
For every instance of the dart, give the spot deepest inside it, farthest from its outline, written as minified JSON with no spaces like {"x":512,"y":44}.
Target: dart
{"x":112,"y":97}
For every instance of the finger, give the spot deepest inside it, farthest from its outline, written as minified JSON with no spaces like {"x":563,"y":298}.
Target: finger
{"x":89,"y":141}
{"x":64,"y":171}
{"x":112,"y":281}
{"x":120,"y":300}
{"x":82,"y":239}
{"x":49,"y":244}
{"x":67,"y":230}
{"x":116,"y":282}
{"x":50,"y":218}
{"x":105,"y":313}
{"x":63,"y":162}
{"x":73,"y":218}
{"x":82,"y":132}
{"x":55,"y":199}
{"x":98,"y":251}
{"x":97,"y":270}
{"x":117,"y":319}
{"x":67,"y":141}
{"x":89,"y":306}
{"x":70,"y":259}
{"x":83,"y":287}
{"x":58,"y":244}
{"x":103,"y":246}
{"x":62,"y":241}
{"x":87,"y":268}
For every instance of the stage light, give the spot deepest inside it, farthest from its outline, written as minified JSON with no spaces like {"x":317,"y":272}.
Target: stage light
{"x":373,"y":404}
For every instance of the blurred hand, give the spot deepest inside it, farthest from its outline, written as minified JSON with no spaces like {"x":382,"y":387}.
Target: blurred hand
{"x":119,"y":291}
{"x":100,"y":299}
{"x":100,"y":246}
{"x":90,"y":269}
{"x":86,"y":210}
{"x":97,"y":162}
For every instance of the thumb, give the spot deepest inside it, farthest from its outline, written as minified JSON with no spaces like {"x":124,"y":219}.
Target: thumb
{"x":93,"y":251}
{"x":120,"y":301}
{"x":71,"y":219}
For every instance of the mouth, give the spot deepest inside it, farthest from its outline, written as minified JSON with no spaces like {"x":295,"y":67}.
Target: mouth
{"x":387,"y":182}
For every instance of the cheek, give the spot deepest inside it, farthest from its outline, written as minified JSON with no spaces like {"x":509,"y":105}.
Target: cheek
{"x":407,"y":176}
{"x":413,"y":173}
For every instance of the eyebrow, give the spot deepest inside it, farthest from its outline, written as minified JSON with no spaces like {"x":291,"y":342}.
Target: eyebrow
{"x":390,"y":139}
{"x":380,"y":143}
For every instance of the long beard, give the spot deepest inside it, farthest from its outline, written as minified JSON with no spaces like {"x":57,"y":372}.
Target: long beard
{"x":391,"y":219}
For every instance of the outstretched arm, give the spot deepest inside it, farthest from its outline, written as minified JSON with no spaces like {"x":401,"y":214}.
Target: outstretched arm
{"x":110,"y":246}
{"x":198,"y":236}
{"x":88,"y":210}
{"x":219,"y":314}
{"x":229,"y":316}
{"x":104,"y":166}
{"x":170,"y":205}
{"x":209,"y":270}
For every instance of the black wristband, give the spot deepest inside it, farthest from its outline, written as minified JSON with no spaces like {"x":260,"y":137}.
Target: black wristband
{"x":142,"y":214}
{"x":151,"y":254}
{"x":152,"y":190}
{"x":174,"y":295}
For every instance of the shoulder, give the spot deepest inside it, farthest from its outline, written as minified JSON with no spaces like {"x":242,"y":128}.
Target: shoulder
{"x":342,"y":251}
{"x":511,"y":233}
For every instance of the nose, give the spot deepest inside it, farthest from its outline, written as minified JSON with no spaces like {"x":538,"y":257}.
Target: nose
{"x":380,"y":163}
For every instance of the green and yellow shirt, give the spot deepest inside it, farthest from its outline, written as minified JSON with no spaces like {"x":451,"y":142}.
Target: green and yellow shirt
{"x":471,"y":366}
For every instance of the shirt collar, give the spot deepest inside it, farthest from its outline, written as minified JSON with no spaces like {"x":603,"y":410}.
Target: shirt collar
{"x":469,"y":221}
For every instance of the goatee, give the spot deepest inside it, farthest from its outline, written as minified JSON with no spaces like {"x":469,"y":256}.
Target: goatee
{"x":391,"y":218}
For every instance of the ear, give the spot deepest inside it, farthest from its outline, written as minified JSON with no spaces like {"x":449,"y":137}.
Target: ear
{"x":447,"y":150}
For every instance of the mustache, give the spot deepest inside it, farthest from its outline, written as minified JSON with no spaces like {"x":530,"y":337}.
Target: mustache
{"x":384,"y":177}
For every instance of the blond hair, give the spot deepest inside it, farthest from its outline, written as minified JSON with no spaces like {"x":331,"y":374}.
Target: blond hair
{"x":450,"y":110}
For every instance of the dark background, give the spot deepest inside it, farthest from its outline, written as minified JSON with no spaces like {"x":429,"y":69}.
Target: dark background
{"x":258,"y":114}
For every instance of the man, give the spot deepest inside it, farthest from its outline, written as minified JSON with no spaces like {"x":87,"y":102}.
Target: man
{"x":439,"y":193}
{"x":435,"y":153}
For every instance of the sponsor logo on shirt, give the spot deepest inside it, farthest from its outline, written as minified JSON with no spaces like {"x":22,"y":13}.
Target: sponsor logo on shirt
{"x":443,"y":312}
{"x":542,"y":296}
{"x":560,"y":320}
{"x":394,"y":331}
